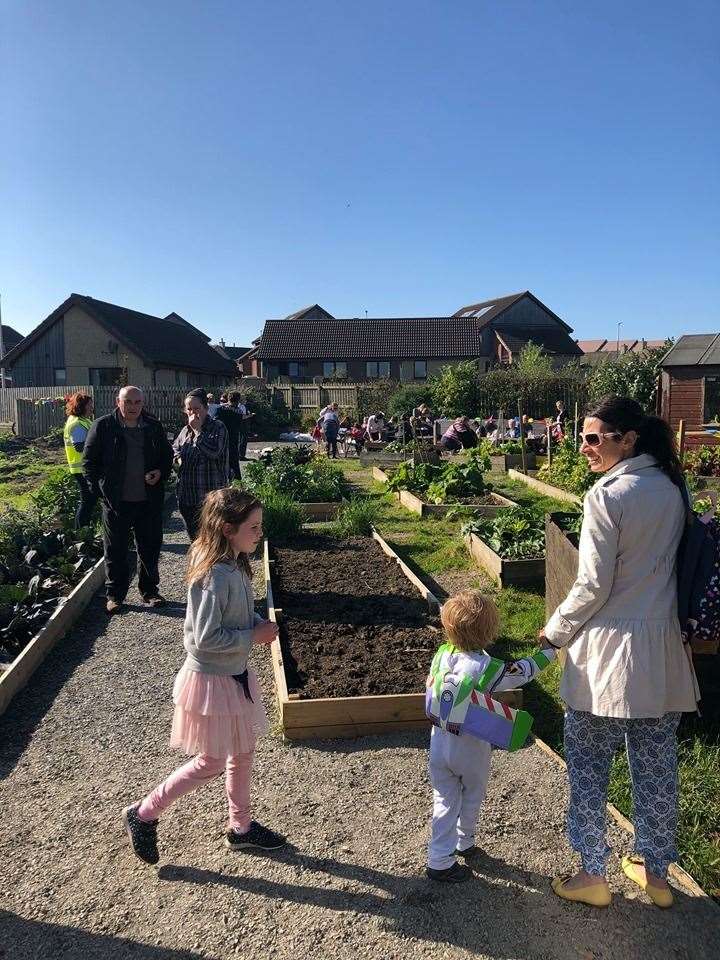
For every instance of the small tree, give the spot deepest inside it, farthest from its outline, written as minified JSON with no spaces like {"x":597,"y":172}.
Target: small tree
{"x":405,"y":398}
{"x":455,"y":390}
{"x":532,"y":361}
{"x":633,"y":375}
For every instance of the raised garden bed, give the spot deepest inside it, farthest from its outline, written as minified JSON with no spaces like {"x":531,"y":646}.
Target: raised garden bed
{"x":356,"y":637}
{"x":320,"y":511}
{"x":486,"y":505}
{"x":506,"y":573}
{"x":508,"y":461}
{"x":17,"y":674}
{"x":545,"y":488}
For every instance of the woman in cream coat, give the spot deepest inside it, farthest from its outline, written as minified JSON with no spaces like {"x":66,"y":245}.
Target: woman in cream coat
{"x":627,"y":676}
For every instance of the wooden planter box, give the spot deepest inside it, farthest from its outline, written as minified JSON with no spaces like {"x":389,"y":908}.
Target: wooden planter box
{"x":506,"y":573}
{"x":65,"y":615}
{"x":316,"y":512}
{"x":345,"y":716}
{"x":510,"y":461}
{"x":414,"y":503}
{"x":545,"y":488}
{"x":561,"y":563}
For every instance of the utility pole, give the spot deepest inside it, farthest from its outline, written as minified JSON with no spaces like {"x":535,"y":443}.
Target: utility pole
{"x":618,"y":338}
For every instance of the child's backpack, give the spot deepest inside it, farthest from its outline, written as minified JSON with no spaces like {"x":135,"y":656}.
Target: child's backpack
{"x":698,"y":577}
{"x":455,"y":703}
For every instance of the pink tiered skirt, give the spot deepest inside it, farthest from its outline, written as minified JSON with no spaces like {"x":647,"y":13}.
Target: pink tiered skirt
{"x":213,"y":716}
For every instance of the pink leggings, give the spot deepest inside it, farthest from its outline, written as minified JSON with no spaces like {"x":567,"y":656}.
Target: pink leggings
{"x":198,"y":771}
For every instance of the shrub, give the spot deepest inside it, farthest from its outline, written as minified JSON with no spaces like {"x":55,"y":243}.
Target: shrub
{"x":569,"y":470}
{"x":405,"y":398}
{"x":633,"y":375}
{"x":282,"y":516}
{"x":356,"y":517}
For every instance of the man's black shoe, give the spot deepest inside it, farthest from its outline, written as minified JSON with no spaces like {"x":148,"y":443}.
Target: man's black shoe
{"x":155,"y":601}
{"x":142,"y":833}
{"x":257,"y":838}
{"x":457,"y":873}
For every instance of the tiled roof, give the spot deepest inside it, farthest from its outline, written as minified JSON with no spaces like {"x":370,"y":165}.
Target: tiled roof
{"x":489,"y":309}
{"x":233,"y":353}
{"x":314,"y":308}
{"x":163,"y":342}
{"x":611,"y":346}
{"x":386,"y":338}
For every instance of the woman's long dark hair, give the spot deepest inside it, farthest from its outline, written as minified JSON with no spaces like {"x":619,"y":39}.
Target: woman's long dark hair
{"x":654,"y":435}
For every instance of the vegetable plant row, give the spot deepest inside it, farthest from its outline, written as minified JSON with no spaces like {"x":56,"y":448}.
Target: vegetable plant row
{"x":41,"y":559}
{"x":448,"y":482}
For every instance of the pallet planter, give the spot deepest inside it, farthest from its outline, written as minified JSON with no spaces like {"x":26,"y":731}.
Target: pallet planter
{"x":412,"y":502}
{"x":506,"y":573}
{"x":545,"y":488}
{"x":67,"y":612}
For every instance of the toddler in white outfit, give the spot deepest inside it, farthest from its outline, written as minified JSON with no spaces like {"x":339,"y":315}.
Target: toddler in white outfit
{"x":460,"y":762}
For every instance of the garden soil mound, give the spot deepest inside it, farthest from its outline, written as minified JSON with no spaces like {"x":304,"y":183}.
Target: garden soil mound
{"x":352,"y":623}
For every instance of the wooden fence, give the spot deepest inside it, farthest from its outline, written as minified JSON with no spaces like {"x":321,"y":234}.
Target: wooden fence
{"x":35,"y":411}
{"x":314,"y":396}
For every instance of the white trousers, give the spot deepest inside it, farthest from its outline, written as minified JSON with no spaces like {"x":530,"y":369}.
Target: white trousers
{"x":459,"y":773}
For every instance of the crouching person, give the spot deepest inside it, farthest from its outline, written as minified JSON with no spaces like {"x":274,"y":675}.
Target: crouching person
{"x":467,"y":723}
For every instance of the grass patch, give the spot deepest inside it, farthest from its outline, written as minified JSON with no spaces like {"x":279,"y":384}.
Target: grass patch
{"x":525,"y":496}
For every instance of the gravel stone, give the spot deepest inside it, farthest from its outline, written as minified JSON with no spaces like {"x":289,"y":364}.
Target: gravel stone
{"x":89,"y":736}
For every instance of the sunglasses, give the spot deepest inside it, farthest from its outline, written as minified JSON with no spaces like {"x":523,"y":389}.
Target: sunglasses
{"x":595,"y":439}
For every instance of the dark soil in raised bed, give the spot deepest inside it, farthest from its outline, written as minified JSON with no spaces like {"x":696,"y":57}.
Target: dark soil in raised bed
{"x":352,"y":623}
{"x":486,"y":499}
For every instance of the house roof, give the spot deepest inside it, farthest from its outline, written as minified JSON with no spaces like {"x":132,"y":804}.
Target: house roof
{"x":232,"y":353}
{"x":694,"y":350}
{"x":489,"y":310}
{"x":11,"y":338}
{"x":386,"y":338}
{"x":160,"y":341}
{"x":611,"y":346}
{"x":553,"y":340}
{"x":313,"y":308}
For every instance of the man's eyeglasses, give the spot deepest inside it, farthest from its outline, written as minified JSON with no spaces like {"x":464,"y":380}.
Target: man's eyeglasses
{"x":595,"y":439}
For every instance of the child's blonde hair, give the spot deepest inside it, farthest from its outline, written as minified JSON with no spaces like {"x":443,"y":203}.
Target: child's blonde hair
{"x":229,"y":505}
{"x":470,"y":620}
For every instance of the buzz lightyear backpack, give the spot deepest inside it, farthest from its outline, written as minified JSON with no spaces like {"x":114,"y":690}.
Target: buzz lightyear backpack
{"x":455,"y":702}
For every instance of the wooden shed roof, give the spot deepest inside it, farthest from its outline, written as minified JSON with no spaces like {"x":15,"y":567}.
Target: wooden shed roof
{"x":694,"y":350}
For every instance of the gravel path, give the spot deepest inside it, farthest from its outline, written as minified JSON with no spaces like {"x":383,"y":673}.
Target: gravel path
{"x":90,"y":736}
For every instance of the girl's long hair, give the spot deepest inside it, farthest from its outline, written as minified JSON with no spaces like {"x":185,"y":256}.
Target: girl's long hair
{"x":654,"y":434}
{"x":228,"y":505}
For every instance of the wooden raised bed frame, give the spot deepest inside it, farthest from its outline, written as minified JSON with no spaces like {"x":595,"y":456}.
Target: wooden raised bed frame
{"x":412,"y":502}
{"x":506,"y":573}
{"x":544,"y":488}
{"x":315,"y":512}
{"x":345,"y":716}
{"x":64,"y":616}
{"x":507,"y":461}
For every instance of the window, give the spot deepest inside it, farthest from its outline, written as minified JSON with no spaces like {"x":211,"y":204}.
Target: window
{"x":336,"y":369}
{"x":60,"y":375}
{"x":296,"y":369}
{"x":105,"y":376}
{"x":375,"y":369}
{"x":420,"y":372}
{"x":711,"y":409}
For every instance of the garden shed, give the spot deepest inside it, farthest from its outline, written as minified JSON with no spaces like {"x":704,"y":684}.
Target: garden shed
{"x":691,"y":385}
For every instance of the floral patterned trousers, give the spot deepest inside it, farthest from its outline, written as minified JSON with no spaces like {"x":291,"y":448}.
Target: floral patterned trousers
{"x":590,"y":744}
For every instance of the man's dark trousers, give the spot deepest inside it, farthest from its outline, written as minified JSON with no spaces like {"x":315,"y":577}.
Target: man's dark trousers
{"x":146,"y":521}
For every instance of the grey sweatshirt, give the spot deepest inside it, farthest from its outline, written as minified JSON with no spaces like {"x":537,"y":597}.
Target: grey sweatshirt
{"x":219,"y":621}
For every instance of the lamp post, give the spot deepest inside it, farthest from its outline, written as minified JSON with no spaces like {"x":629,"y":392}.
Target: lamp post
{"x":618,"y":338}
{"x":2,"y":352}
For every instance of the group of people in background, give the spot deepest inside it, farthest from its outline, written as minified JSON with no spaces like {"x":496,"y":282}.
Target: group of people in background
{"x":465,"y":433}
{"x":123,"y":461}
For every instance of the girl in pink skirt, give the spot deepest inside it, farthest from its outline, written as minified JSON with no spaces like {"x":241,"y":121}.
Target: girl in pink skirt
{"x":218,"y":708}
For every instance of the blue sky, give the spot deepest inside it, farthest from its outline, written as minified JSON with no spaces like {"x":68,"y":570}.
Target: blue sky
{"x":234,"y":161}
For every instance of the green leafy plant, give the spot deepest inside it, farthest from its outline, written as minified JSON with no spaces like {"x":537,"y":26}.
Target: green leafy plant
{"x":633,"y":375}
{"x":404,"y":399}
{"x":569,"y":470}
{"x":514,"y":534}
{"x":282,"y":515}
{"x":703,"y":461}
{"x":356,"y":517}
{"x":444,"y":483}
{"x":297,"y":473}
